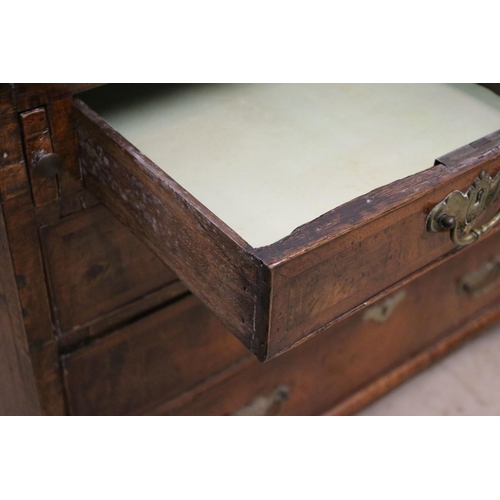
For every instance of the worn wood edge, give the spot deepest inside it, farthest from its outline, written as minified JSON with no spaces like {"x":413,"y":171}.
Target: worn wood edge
{"x":370,"y":393}
{"x":372,"y":206}
{"x":230,"y":247}
{"x":263,"y":308}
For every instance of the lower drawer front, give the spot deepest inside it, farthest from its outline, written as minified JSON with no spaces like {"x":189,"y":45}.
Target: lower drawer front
{"x":150,"y":361}
{"x":324,"y":371}
{"x":157,"y":365}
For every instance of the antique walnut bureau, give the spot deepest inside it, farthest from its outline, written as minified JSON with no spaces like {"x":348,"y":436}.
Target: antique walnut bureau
{"x":240,"y":249}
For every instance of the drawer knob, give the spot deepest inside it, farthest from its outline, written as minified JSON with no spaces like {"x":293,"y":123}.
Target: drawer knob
{"x":458,"y":211}
{"x":48,"y":165}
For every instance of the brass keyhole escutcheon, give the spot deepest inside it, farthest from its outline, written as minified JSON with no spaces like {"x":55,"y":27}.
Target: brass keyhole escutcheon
{"x":458,"y":211}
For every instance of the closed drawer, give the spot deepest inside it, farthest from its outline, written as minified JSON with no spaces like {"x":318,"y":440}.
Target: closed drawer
{"x":331,"y":367}
{"x":150,"y":361}
{"x":368,"y":229}
{"x":97,"y":267}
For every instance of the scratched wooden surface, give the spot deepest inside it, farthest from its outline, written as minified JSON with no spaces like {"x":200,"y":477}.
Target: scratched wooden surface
{"x":18,"y":395}
{"x":109,"y":267}
{"x":152,"y":360}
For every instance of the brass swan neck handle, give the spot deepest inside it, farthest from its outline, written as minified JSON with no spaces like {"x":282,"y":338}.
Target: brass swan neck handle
{"x":458,"y":211}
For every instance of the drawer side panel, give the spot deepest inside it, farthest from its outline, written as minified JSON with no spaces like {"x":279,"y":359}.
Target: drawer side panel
{"x":213,"y":264}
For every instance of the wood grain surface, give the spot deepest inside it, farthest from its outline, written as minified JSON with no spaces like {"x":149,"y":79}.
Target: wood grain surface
{"x":147,"y":362}
{"x":109,"y":267}
{"x":18,"y":395}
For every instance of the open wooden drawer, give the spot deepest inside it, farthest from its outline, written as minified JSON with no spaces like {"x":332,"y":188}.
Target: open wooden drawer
{"x":287,"y":207}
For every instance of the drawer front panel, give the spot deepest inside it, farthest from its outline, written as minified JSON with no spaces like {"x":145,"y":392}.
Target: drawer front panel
{"x":149,"y":361}
{"x":96,"y":265}
{"x":330,"y":367}
{"x":319,"y":286}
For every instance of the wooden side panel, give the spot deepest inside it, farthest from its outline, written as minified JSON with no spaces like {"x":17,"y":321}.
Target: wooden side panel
{"x":18,"y":394}
{"x":317,"y":287}
{"x":37,"y":143}
{"x":23,"y":239}
{"x":22,"y":228}
{"x":96,"y":266}
{"x":22,"y":233}
{"x":213,"y":261}
{"x":330,"y":367}
{"x":149,"y":361}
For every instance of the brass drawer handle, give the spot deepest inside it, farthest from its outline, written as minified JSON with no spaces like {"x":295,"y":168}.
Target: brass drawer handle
{"x":381,"y":312}
{"x":266,"y":405}
{"x":458,"y":211}
{"x":481,"y":280}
